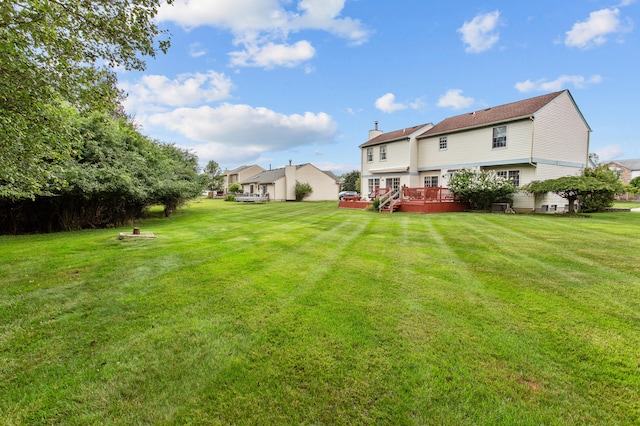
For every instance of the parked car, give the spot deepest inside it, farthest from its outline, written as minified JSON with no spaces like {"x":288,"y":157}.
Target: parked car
{"x":343,"y":194}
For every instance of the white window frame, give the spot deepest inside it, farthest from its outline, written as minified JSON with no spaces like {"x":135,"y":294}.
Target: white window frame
{"x":393,"y":182}
{"x":431,"y":181}
{"x":370,"y":154}
{"x":443,"y":143}
{"x":383,"y":152}
{"x":373,"y":183}
{"x":499,"y":139}
{"x":514,"y":176}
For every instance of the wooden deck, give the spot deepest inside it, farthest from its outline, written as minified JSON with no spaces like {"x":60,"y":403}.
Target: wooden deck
{"x":411,"y":200}
{"x":252,"y":199}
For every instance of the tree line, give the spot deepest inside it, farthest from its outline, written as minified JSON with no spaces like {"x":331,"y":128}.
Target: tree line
{"x":70,"y":157}
{"x":111,"y":175}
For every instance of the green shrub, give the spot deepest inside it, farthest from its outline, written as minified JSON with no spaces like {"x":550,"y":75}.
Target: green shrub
{"x":598,"y":199}
{"x":234,"y":188}
{"x":376,"y":204}
{"x":302,"y":190}
{"x":230,"y":198}
{"x":482,"y":188}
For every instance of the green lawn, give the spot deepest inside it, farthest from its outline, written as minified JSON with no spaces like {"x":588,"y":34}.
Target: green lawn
{"x":303,"y":313}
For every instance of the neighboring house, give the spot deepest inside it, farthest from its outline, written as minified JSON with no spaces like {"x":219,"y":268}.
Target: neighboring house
{"x":279,"y":184}
{"x":239,"y":174}
{"x":534,"y":139}
{"x":628,"y":169}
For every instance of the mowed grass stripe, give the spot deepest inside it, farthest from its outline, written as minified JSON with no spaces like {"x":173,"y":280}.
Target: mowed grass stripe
{"x":303,"y":313}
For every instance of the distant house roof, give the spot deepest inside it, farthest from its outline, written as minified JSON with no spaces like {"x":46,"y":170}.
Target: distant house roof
{"x":331,"y":175}
{"x":631,"y":164}
{"x":495,"y":115}
{"x":239,"y":169}
{"x":396,"y":135}
{"x":265,"y":177}
{"x":270,"y":176}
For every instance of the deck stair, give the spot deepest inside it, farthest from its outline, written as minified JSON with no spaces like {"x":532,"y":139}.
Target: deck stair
{"x":391,"y":201}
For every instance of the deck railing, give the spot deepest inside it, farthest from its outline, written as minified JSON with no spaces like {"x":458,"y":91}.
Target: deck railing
{"x":425,"y":194}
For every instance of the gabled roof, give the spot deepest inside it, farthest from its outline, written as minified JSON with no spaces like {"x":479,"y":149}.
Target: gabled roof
{"x":239,"y":169}
{"x":631,"y":164}
{"x":331,"y":175}
{"x":396,"y":135}
{"x":267,"y":176}
{"x":270,"y":176}
{"x":494,"y":115}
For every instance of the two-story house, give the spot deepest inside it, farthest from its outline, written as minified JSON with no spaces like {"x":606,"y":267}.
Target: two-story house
{"x":239,"y":175}
{"x":627,"y":169}
{"x":534,"y":139}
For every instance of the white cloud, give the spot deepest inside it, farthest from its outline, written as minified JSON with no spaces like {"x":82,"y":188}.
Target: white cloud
{"x":271,"y":55}
{"x":559,"y":83}
{"x":609,"y":152}
{"x":478,"y":34}
{"x":454,"y":99}
{"x":324,"y":15}
{"x":594,"y":31}
{"x":196,"y":50}
{"x":239,"y":133}
{"x":387,"y":103}
{"x":263,"y":27}
{"x":153,"y":92}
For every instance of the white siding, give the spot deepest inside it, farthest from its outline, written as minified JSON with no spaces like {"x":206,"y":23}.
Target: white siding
{"x":474,"y":147}
{"x":560,"y":133}
{"x":324,"y":187}
{"x":549,"y":171}
{"x":398,"y":155}
{"x":279,"y":190}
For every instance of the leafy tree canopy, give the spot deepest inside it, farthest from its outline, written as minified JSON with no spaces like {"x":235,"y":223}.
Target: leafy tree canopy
{"x":595,"y":183}
{"x":214,"y":178}
{"x":351,"y":181}
{"x":112,"y":173}
{"x":56,"y":53}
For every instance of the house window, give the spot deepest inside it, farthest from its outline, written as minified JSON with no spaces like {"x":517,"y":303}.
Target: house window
{"x":383,"y":152}
{"x":369,"y":155}
{"x":499,"y":137}
{"x":443,"y":143}
{"x":394,"y":183}
{"x":373,"y":185}
{"x":431,"y":181}
{"x":514,"y":176}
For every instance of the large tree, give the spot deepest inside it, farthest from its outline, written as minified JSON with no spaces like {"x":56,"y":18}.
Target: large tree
{"x":351,"y":181}
{"x":591,"y":186}
{"x":62,"y":52}
{"x":213,"y":176}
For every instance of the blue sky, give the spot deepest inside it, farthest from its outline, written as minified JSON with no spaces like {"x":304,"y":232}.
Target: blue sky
{"x":268,"y":81}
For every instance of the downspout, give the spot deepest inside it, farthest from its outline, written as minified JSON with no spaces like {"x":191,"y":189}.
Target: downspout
{"x":535,"y":166}
{"x":533,"y":129}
